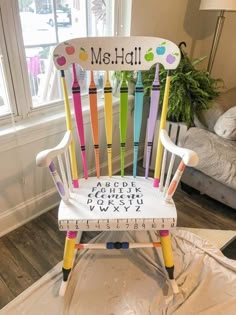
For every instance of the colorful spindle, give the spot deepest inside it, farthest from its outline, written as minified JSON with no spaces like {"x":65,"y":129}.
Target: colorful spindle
{"x":70,"y":240}
{"x":79,"y":118}
{"x":168,"y":257}
{"x":175,"y":181}
{"x":138,"y":112}
{"x":74,"y":170}
{"x":94,"y":121}
{"x":162,"y":126}
{"x":117,"y":245}
{"x":58,"y":182}
{"x":108,"y":121}
{"x":155,"y":95}
{"x":123,"y":120}
{"x":68,"y":259}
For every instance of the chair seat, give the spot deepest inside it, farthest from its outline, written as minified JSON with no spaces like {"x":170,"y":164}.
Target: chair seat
{"x":116,"y":203}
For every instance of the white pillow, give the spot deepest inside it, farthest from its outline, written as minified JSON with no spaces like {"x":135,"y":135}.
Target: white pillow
{"x":225,"y":126}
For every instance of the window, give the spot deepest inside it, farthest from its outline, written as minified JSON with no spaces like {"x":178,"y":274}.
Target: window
{"x":44,"y":24}
{"x":29,"y":31}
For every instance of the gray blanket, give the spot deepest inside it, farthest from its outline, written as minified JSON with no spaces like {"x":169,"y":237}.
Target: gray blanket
{"x":217,"y":156}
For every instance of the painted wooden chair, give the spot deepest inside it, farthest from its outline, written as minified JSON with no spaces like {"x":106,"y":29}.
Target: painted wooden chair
{"x":116,"y":202}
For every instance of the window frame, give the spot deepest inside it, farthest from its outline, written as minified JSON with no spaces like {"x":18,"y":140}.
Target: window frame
{"x":7,"y":70}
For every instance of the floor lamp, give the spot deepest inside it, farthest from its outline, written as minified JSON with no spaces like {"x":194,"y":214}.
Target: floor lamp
{"x":221,"y":6}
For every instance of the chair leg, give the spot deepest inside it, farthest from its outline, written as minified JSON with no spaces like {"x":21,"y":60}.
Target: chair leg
{"x":168,"y":257}
{"x":68,"y":259}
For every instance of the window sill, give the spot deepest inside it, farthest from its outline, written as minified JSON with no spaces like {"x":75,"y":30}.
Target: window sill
{"x":44,"y":125}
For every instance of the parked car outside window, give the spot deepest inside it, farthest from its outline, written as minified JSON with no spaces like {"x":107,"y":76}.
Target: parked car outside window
{"x":63,"y":16}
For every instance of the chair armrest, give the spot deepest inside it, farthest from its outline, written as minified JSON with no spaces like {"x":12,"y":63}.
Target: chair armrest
{"x":44,"y":158}
{"x":189,"y":157}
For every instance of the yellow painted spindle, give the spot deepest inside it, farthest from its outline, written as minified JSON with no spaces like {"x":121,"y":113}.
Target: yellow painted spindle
{"x":162,"y":126}
{"x":69,"y":126}
{"x":166,"y":248}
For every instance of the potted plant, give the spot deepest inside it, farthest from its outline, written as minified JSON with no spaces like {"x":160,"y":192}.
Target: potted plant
{"x":192,"y":90}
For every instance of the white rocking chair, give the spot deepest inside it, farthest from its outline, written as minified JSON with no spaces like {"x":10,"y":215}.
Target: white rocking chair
{"x":110,"y":203}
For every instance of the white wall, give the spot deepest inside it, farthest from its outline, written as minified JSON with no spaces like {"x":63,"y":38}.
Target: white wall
{"x":182,"y":20}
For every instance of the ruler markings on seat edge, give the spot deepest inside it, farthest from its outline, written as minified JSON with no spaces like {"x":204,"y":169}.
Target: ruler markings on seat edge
{"x":117,"y":224}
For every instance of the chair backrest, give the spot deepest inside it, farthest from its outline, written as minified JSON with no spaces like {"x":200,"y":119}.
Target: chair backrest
{"x":114,"y":54}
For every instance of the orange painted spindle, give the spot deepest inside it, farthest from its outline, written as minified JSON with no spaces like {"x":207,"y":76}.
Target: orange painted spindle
{"x":94,"y":121}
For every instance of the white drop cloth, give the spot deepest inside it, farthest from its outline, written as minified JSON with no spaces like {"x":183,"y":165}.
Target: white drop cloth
{"x":133,"y":282}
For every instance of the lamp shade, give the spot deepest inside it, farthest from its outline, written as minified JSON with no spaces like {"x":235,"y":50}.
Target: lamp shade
{"x":227,"y":5}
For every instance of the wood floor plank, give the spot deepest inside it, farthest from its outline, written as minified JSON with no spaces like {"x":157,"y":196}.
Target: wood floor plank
{"x":37,"y":248}
{"x":5,"y":294}
{"x":15,"y":270}
{"x":195,"y":214}
{"x":51,"y":231}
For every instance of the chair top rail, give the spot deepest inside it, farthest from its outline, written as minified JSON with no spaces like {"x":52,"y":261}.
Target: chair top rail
{"x":44,"y":158}
{"x":116,"y":53}
{"x":189,"y":157}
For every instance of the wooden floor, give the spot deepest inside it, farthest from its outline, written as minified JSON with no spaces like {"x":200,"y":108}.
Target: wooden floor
{"x":33,"y":249}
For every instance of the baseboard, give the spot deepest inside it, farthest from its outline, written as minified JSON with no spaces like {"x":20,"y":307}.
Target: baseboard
{"x":28,"y":210}
{"x":34,"y":207}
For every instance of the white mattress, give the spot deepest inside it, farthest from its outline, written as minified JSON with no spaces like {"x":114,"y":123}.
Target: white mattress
{"x":217,"y":156}
{"x":133,"y":282}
